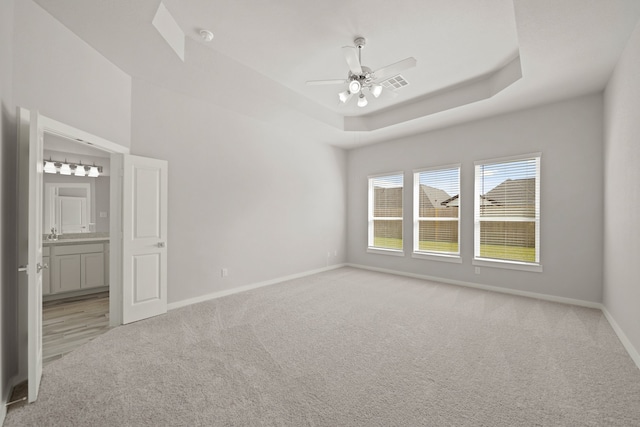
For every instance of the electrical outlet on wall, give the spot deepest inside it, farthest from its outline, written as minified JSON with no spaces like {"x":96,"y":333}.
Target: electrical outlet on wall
{"x":224,"y":272}
{"x":477,"y":270}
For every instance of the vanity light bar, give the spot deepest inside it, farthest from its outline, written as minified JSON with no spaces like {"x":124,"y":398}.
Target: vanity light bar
{"x":66,"y":168}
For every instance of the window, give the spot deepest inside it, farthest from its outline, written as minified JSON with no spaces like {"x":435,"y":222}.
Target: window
{"x":385,"y":213}
{"x":507,"y":211}
{"x":436,"y":212}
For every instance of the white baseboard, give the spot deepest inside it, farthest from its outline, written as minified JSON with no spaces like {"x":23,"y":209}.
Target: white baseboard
{"x":5,"y":399}
{"x":207,"y":297}
{"x":633,"y":352}
{"x":535,"y":295}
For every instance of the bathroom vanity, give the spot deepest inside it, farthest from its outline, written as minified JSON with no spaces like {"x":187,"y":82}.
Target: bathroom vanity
{"x":76,"y":266}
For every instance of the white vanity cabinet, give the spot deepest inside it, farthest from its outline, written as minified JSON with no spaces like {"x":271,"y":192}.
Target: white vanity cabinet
{"x":75,"y":267}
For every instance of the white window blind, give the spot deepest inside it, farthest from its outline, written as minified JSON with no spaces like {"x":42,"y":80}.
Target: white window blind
{"x":385,"y":212}
{"x":507,"y":210}
{"x":436,"y":211}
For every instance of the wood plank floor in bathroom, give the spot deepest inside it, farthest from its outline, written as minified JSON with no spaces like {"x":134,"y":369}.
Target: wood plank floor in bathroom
{"x":70,"y":323}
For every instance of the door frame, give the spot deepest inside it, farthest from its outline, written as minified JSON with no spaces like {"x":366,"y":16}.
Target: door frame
{"x":115,"y":206}
{"x":55,"y":127}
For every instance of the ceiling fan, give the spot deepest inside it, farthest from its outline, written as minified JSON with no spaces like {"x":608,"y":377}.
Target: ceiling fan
{"x":361,"y":78}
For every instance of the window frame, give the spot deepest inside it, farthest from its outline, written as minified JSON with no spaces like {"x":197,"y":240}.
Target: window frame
{"x":370,"y":218}
{"x":504,"y":263}
{"x":434,"y":255}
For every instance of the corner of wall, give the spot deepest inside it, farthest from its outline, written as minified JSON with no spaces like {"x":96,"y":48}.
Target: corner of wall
{"x":622,"y":182}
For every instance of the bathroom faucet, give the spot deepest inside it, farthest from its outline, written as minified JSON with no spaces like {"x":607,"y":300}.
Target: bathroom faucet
{"x":53,"y":235}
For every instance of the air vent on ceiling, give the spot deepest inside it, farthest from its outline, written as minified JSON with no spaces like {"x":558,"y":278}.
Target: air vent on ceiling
{"x":394,"y":83}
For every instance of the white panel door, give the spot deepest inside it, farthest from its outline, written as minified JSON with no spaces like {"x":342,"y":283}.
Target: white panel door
{"x":31,"y":138}
{"x":144,"y":238}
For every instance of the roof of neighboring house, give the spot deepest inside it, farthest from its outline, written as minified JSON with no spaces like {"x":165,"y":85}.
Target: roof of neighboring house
{"x":512,"y":192}
{"x":452,"y":202}
{"x":434,"y":196}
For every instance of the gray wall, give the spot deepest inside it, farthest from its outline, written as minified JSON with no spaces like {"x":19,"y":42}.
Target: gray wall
{"x":243,"y":194}
{"x":569,"y":135}
{"x":622,"y":192}
{"x":61,"y":76}
{"x":65,"y":79}
{"x":8,"y":362}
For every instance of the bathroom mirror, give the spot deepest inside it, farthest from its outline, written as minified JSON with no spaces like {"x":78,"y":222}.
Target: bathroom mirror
{"x":67,"y":208}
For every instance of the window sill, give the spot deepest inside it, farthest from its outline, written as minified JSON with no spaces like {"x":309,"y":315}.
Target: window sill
{"x":394,"y":252}
{"x":437,"y":257}
{"x":509,"y":265}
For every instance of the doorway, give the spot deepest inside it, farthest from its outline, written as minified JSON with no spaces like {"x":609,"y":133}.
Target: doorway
{"x":76,"y":245}
{"x":137,"y":264}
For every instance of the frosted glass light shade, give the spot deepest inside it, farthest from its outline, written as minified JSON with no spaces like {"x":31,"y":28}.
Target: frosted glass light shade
{"x":65,"y":169}
{"x":49,"y":167}
{"x":376,"y":90}
{"x":345,"y":96}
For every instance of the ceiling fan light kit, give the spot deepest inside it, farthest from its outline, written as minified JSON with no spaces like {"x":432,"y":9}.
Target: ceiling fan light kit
{"x":362,"y":101}
{"x":345,"y":96}
{"x":361,"y":77}
{"x":354,"y":86}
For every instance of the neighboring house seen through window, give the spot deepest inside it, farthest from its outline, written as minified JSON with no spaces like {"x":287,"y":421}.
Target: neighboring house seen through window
{"x":385,"y":213}
{"x":436,"y":212}
{"x":507,"y":211}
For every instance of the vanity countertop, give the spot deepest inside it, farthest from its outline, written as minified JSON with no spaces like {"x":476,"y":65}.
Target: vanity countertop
{"x":74,"y":241}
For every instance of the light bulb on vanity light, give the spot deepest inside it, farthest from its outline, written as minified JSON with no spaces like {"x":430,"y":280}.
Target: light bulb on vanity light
{"x":65,"y":168}
{"x":93,"y":172}
{"x":49,"y":166}
{"x":80,"y":170}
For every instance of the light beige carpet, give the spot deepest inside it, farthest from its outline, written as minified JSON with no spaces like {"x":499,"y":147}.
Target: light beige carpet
{"x":348,"y":348}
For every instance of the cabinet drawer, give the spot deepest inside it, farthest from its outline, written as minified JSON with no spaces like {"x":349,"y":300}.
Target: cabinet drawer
{"x":79,"y":249}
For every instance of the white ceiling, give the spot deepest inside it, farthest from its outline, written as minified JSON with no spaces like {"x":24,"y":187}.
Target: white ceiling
{"x":264,"y":51}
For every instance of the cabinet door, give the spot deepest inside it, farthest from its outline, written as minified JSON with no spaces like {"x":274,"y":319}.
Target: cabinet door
{"x":65,"y":273}
{"x":46,"y":276}
{"x":92,"y":270}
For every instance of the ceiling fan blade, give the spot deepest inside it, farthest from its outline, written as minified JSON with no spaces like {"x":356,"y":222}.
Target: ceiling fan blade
{"x":351,"y":55}
{"x":394,"y":69}
{"x":326,"y":82}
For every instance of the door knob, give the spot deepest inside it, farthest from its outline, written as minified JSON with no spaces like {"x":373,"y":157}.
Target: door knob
{"x":42,"y":267}
{"x":161,"y":244}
